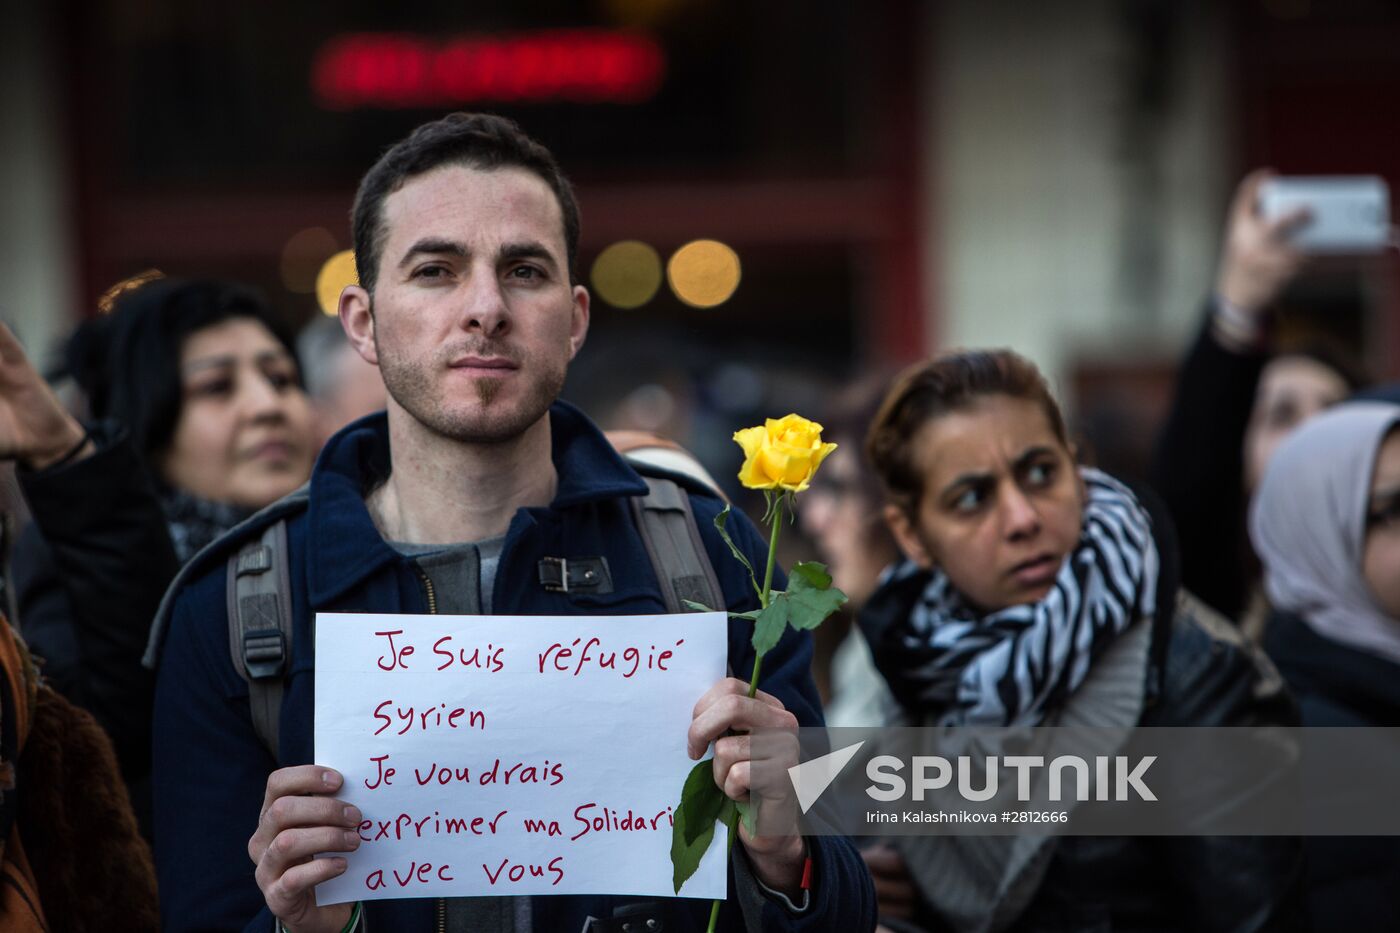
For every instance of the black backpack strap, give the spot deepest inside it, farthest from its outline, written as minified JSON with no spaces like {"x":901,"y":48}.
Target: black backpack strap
{"x":260,"y":625}
{"x":666,"y":523}
{"x":212,"y":556}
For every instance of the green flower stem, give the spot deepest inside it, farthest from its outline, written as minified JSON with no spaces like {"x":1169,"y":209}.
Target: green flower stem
{"x":731,"y":823}
{"x":714,"y":916}
{"x":767,"y":593}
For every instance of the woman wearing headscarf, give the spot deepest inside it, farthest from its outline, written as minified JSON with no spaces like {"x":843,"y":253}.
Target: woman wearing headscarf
{"x":1326,"y":525}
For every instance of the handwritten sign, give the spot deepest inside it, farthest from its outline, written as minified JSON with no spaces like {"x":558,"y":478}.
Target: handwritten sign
{"x":513,"y":755}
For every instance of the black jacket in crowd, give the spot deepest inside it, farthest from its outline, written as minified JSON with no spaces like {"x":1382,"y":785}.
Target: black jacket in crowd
{"x":1353,"y":883}
{"x":1198,"y":470}
{"x":89,"y":574}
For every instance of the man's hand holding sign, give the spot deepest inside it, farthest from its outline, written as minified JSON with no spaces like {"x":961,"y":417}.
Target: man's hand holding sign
{"x":299,"y":819}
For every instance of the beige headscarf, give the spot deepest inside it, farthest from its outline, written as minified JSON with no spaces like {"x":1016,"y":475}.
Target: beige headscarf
{"x":1308,"y":524}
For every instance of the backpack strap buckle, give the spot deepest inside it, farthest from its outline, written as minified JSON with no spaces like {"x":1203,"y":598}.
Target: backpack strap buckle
{"x":576,"y":575}
{"x":264,"y":653}
{"x":260,"y":626}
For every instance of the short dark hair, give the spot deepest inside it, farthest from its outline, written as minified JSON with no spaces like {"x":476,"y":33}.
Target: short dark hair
{"x":938,"y":387}
{"x":1332,"y":354}
{"x":127,"y":363}
{"x":479,"y":140}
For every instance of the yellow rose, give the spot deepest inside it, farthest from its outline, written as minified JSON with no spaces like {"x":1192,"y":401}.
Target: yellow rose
{"x":783,"y":453}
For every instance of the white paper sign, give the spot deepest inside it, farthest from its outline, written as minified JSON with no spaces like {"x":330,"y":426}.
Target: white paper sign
{"x":514,"y":755}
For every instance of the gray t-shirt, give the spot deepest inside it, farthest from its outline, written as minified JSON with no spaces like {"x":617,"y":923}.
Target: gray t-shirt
{"x":463,"y":575}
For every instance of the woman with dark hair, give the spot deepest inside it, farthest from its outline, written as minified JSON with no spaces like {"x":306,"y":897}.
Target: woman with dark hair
{"x":1326,"y":526}
{"x":205,"y":379}
{"x":199,"y":420}
{"x":1039,"y":592}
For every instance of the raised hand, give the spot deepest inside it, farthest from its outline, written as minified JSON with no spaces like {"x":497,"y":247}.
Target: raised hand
{"x":35,"y":428}
{"x":1257,"y":260}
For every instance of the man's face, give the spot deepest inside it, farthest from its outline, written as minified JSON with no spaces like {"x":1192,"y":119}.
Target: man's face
{"x":473,"y":321}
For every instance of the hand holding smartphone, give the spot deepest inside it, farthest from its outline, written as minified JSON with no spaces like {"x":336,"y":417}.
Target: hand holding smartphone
{"x":1346,"y":213}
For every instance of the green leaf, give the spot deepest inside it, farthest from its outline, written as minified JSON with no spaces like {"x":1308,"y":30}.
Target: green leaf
{"x":685,"y":856}
{"x":812,"y":574}
{"x":808,"y":601}
{"x":720,"y":521}
{"x":701,"y":804}
{"x":701,"y":799}
{"x":749,"y":616}
{"x":748,"y":812}
{"x":770,"y":624}
{"x":812,"y":598}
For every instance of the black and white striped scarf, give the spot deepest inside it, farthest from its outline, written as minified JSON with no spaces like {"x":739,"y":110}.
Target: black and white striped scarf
{"x":1008,"y":667}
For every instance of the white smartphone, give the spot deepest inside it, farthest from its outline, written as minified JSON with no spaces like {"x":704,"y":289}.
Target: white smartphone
{"x":1350,"y":213}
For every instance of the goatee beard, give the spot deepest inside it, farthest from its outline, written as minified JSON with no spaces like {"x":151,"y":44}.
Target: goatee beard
{"x":486,"y":389}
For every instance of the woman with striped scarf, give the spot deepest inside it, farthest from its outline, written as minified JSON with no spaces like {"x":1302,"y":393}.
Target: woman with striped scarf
{"x":1039,"y":592}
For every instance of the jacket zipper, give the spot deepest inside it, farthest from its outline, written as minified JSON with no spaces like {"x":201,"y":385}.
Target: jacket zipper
{"x":440,"y":909}
{"x":428,"y":589}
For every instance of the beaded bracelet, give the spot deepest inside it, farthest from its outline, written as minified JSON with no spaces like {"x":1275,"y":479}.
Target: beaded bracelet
{"x":72,"y":453}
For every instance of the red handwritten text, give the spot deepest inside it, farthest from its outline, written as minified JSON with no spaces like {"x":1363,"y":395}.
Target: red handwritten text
{"x":417,"y":872}
{"x":405,"y":825}
{"x":597,"y":819}
{"x":489,"y":660}
{"x":430,"y":718}
{"x":517,"y":872}
{"x":397,"y":657}
{"x":572,"y":659}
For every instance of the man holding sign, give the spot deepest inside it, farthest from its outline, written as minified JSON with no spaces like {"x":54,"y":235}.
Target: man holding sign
{"x":456,"y":501}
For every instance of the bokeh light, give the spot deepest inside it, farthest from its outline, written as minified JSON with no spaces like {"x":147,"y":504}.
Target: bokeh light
{"x":627,"y":274}
{"x":338,"y":272}
{"x":704,"y":273}
{"x":302,"y":256}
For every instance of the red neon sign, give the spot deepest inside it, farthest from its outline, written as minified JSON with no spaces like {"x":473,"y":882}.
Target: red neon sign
{"x":399,"y":71}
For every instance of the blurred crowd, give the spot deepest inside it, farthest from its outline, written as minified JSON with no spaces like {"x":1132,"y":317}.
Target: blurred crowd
{"x":994,"y":578}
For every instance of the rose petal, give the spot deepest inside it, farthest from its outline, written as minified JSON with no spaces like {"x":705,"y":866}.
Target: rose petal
{"x":751,"y":440}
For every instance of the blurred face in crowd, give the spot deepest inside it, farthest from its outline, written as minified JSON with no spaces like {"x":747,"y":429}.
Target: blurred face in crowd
{"x":353,"y":391}
{"x":244,"y":431}
{"x":1002,"y":503}
{"x":473,"y":321}
{"x":1380,"y":560}
{"x":1291,"y":390}
{"x":845,"y":524}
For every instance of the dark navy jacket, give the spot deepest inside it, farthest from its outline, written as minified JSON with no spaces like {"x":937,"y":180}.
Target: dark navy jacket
{"x":210,"y":770}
